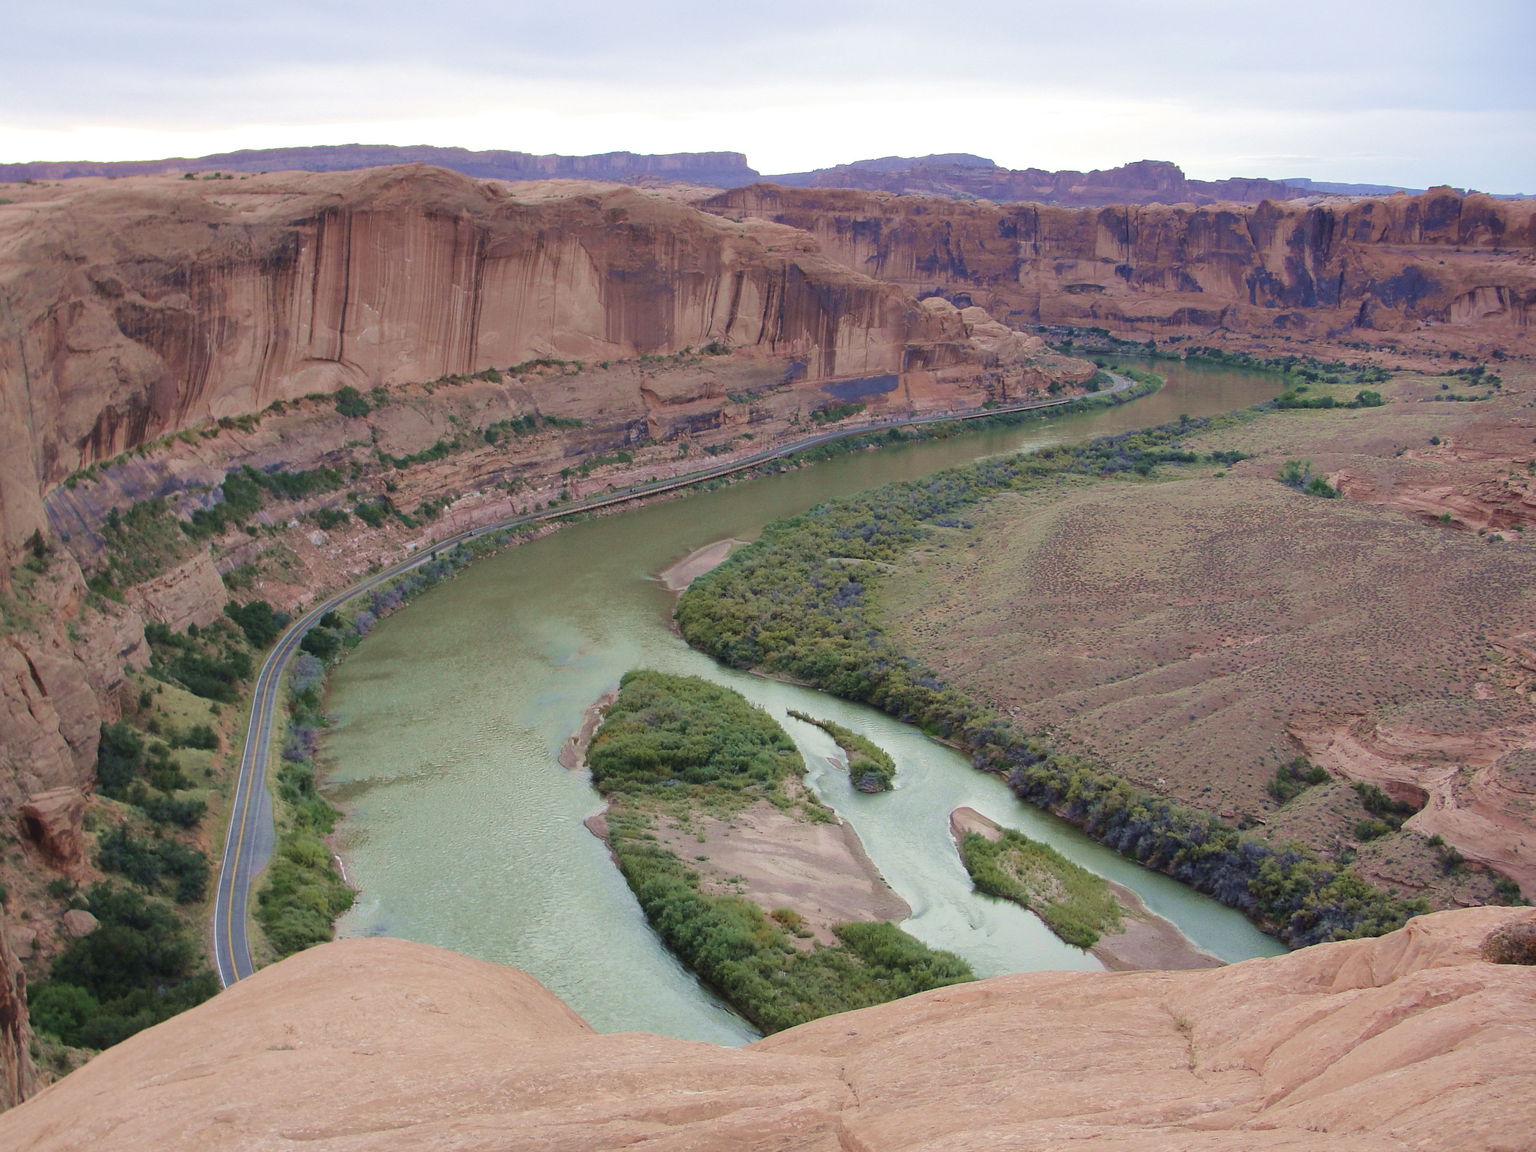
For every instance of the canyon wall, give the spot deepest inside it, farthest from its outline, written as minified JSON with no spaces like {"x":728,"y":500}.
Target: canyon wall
{"x":1435,"y":273}
{"x":134,"y":309}
{"x":1422,"y":1039}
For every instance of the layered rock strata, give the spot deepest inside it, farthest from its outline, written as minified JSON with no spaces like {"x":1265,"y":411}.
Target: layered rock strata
{"x":137,"y":309}
{"x":1436,"y":272}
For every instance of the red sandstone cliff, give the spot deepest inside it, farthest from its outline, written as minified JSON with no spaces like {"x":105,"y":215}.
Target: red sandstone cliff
{"x":17,"y":1074}
{"x":1407,"y":1041}
{"x":1439,"y":271}
{"x":138,"y":308}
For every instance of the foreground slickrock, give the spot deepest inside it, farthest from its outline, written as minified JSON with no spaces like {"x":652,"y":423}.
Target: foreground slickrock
{"x":1408,"y":1041}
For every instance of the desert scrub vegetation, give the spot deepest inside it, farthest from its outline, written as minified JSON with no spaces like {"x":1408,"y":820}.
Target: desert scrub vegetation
{"x":1074,"y":903}
{"x":799,"y":603}
{"x":141,"y":965}
{"x":675,"y":742}
{"x":1298,"y":474}
{"x":684,"y":734}
{"x":870,"y":766}
{"x":301,"y":895}
{"x":1292,"y":779}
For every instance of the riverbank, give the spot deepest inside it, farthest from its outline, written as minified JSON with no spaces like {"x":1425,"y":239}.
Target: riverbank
{"x":1146,"y":941}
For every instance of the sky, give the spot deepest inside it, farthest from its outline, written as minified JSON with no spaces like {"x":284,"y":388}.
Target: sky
{"x":1411,"y":93}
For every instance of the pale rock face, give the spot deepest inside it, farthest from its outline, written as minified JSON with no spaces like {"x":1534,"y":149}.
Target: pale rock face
{"x":1407,"y":1041}
{"x":78,"y":922}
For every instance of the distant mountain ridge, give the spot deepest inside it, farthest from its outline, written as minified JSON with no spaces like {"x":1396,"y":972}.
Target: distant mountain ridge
{"x":966,"y":177}
{"x":713,"y":169}
{"x":957,"y":175}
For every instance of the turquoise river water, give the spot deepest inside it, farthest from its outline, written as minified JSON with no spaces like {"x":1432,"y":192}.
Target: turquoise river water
{"x":464,"y":831}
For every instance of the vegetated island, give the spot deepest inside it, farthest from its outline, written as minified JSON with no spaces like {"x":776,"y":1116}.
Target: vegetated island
{"x":869,"y":766}
{"x":1079,"y":906}
{"x":749,"y":879}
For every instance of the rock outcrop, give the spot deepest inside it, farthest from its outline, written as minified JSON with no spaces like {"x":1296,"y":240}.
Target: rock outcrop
{"x":52,"y":822}
{"x":1410,"y":1040}
{"x":1436,"y":272}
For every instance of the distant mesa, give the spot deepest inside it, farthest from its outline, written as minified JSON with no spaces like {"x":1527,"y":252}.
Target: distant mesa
{"x":958,"y":175}
{"x":712,"y":169}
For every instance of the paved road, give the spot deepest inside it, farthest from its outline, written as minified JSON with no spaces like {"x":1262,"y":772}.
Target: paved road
{"x":248,"y":846}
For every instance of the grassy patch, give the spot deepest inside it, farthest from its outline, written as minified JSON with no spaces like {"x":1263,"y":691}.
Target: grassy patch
{"x":1074,"y":903}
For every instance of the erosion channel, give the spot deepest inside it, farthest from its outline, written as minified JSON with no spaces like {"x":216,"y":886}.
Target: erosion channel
{"x":463,"y":830}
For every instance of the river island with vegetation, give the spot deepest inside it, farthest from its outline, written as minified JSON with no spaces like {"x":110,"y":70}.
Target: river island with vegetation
{"x":714,"y":830}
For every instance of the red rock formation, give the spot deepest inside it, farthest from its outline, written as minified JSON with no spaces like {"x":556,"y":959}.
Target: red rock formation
{"x":52,"y":822}
{"x":1437,"y":271}
{"x":143,"y":307}
{"x":136,"y":309}
{"x":1410,"y":1040}
{"x":18,"y":1077}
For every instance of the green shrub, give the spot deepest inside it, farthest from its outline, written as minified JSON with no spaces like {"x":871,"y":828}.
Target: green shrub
{"x":351,"y":403}
{"x":139,"y":967}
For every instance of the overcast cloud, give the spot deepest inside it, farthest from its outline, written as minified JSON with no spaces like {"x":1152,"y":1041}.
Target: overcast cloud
{"x":1408,"y":92}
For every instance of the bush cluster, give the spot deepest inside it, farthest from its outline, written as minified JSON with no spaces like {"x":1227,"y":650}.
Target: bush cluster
{"x":137,"y":968}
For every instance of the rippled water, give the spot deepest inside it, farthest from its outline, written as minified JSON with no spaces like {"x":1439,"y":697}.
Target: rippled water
{"x":465,"y":832}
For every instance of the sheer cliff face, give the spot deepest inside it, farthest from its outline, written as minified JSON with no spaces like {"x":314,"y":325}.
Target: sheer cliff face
{"x":137,"y":308}
{"x":1437,"y":271}
{"x":1412,"y":1040}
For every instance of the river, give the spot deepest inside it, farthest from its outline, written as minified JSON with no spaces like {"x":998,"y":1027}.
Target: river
{"x":463,"y":830}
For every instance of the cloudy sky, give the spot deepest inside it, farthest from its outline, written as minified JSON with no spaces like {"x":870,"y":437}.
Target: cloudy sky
{"x":1406,"y":92}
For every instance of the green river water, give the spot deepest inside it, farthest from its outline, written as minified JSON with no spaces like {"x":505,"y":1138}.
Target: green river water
{"x":464,"y":831}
